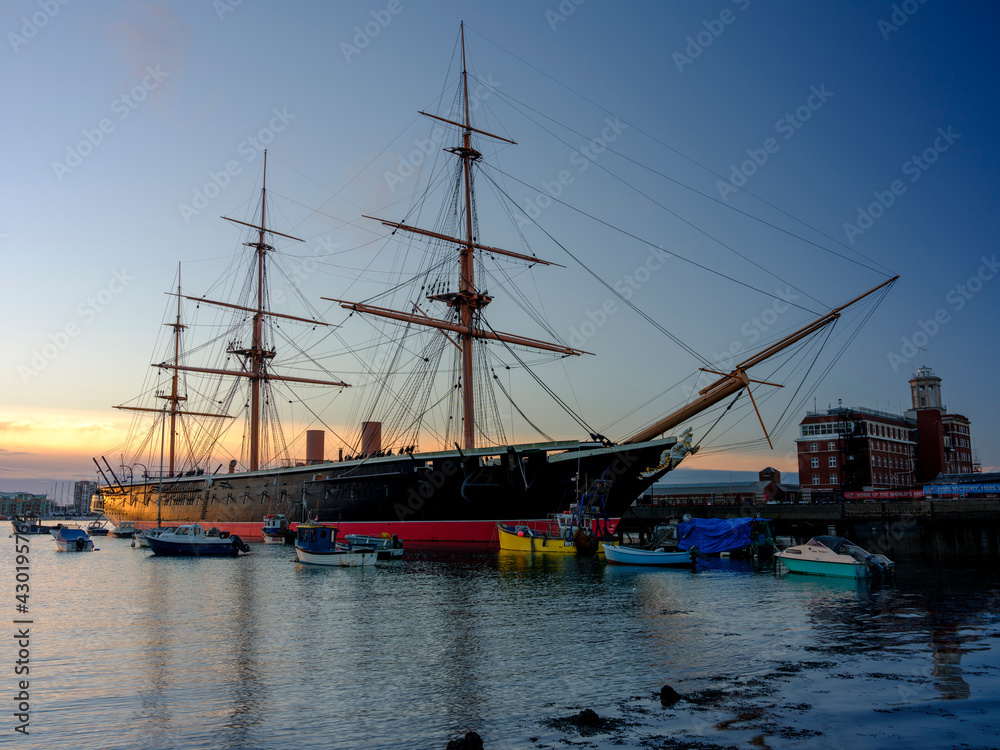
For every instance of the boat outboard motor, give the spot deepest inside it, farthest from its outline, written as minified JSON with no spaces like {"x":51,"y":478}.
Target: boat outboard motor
{"x":81,"y":544}
{"x":239,"y":545}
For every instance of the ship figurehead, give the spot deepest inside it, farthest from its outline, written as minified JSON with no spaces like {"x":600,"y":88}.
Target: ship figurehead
{"x":673,"y":455}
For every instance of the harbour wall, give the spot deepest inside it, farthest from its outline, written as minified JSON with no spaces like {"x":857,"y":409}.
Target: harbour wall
{"x":960,"y":530}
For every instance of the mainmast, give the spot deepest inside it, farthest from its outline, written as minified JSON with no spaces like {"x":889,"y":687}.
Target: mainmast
{"x":468,"y":301}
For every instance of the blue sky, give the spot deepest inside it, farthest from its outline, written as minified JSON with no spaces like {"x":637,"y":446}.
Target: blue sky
{"x":866,"y":131}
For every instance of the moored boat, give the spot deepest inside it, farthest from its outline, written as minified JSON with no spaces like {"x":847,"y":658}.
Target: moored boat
{"x":191,"y":540}
{"x":316,"y":544}
{"x":661,"y":558}
{"x":29,"y":524}
{"x":275,"y":529}
{"x":141,"y":537}
{"x":549,"y":539}
{"x":837,"y":557}
{"x":72,"y":539}
{"x":749,"y":537}
{"x":387,"y":546}
{"x":97,"y":528}
{"x":124,"y":530}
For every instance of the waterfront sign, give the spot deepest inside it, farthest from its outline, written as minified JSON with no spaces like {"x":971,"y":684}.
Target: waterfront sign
{"x":885,"y":495}
{"x":962,"y":489}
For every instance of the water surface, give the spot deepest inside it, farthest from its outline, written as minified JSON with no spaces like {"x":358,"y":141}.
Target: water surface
{"x":133,"y":651}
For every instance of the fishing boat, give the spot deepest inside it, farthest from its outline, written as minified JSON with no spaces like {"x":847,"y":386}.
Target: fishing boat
{"x":659,"y":557}
{"x":97,"y":528}
{"x":837,"y":557}
{"x":29,"y":524}
{"x":408,"y":468}
{"x":72,"y":539}
{"x":316,"y":544}
{"x":275,"y":529}
{"x":191,"y":540}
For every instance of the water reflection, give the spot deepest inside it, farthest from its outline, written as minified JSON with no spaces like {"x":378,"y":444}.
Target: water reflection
{"x":937,"y":611}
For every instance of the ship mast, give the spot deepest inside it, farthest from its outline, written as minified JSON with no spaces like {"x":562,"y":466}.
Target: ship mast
{"x":255,"y":357}
{"x":467,"y":300}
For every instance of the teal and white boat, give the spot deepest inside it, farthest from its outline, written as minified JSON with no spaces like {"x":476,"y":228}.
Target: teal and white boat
{"x":837,"y":557}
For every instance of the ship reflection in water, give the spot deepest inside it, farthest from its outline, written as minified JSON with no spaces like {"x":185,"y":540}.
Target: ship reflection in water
{"x":263,"y":652}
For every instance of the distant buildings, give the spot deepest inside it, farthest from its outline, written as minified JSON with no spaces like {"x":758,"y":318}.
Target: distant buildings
{"x":768,"y":488}
{"x":856,"y":449}
{"x":82,"y":492}
{"x":24,"y":504}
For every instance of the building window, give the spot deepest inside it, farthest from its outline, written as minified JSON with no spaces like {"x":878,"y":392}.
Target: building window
{"x":813,"y":446}
{"x":833,"y":478}
{"x":832,"y":462}
{"x":815,"y":478}
{"x":831,"y":446}
{"x":815,"y":462}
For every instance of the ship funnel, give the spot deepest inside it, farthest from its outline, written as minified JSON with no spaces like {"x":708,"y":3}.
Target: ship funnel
{"x":371,"y":437}
{"x":314,"y":446}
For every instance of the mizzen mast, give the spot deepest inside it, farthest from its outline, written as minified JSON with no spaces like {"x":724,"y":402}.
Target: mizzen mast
{"x":256,"y":356}
{"x":174,"y":398}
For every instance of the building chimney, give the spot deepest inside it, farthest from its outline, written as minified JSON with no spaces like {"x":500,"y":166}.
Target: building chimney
{"x":314,"y":446}
{"x":371,"y":437}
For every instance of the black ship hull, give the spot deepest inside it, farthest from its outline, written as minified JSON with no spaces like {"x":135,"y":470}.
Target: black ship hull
{"x":449,"y":496}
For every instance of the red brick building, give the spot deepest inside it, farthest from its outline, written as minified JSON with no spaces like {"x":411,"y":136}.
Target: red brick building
{"x":857,"y":449}
{"x":945,"y":443}
{"x":853,"y":449}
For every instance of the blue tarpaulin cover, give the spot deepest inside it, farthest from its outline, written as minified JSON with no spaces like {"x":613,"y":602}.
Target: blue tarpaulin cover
{"x":711,"y":535}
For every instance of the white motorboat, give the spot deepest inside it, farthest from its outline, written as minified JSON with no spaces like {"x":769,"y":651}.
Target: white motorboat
{"x":835,"y":556}
{"x":193,"y":541}
{"x":72,"y":539}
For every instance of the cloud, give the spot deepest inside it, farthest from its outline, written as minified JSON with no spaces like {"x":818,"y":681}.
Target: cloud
{"x":150,"y":33}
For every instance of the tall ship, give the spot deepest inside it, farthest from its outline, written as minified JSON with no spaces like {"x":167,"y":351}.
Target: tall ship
{"x":450,"y":481}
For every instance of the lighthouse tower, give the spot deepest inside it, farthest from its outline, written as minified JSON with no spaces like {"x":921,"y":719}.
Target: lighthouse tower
{"x":925,"y":389}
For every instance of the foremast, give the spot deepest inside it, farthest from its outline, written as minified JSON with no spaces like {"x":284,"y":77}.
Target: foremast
{"x":255,"y":358}
{"x":467,"y":301}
